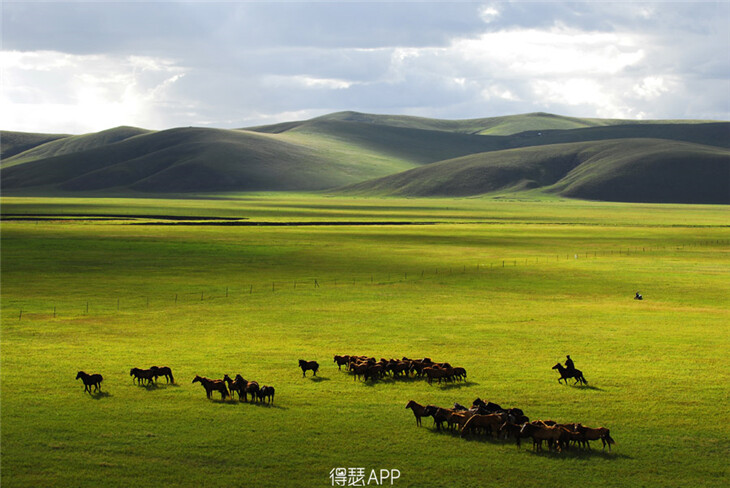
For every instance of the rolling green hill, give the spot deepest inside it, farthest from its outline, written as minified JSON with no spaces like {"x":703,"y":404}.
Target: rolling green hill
{"x":348,"y":149}
{"x":189,"y":160}
{"x":634,"y":170}
{"x":496,"y":126}
{"x":74,"y":144}
{"x":12,"y":143}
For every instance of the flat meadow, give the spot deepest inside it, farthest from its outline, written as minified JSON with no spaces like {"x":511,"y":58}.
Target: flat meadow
{"x":502,"y":287}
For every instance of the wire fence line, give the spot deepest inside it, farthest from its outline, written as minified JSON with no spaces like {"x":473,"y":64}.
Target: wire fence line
{"x":87,"y":306}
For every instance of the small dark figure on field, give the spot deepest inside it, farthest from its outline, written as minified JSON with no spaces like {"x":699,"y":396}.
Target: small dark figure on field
{"x":638,"y":296}
{"x":163,"y":371}
{"x":90,"y":380}
{"x":565,"y":374}
{"x":569,"y":363}
{"x":308,"y":365}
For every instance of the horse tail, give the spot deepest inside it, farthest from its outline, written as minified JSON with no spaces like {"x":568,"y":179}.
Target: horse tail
{"x":608,"y":437}
{"x":466,"y":427}
{"x":172,"y":380}
{"x":583,"y":378}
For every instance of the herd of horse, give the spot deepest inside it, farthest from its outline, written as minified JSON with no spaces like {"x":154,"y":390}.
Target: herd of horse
{"x":490,"y":419}
{"x":369,"y":368}
{"x":482,"y":418}
{"x":264,"y":394}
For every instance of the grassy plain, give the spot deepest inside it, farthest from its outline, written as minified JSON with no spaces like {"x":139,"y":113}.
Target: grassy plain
{"x":504,"y":288}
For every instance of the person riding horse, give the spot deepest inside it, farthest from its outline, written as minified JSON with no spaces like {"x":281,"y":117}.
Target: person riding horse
{"x":569,"y":364}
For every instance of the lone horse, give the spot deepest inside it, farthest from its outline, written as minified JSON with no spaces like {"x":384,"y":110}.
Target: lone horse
{"x":570,"y":373}
{"x":90,"y":380}
{"x":308,"y":366}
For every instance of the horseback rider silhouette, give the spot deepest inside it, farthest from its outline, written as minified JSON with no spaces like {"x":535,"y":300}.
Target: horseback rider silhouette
{"x":569,"y":364}
{"x":638,"y":296}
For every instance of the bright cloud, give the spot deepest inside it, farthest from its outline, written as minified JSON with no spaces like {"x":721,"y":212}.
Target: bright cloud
{"x":82,"y":93}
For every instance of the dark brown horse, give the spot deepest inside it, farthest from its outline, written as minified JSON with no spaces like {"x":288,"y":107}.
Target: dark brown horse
{"x":570,"y":373}
{"x":90,"y":380}
{"x":212,"y":385}
{"x":418,"y":410}
{"x":308,"y":365}
{"x":342,"y":361}
{"x":163,"y":371}
{"x":236,"y":386}
{"x":142,"y":375}
{"x":266,"y":392}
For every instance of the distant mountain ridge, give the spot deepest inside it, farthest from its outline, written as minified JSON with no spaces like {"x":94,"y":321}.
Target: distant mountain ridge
{"x":368,"y":154}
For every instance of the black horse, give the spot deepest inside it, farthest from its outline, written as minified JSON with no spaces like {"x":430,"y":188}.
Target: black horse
{"x":90,"y":380}
{"x":570,"y":373}
{"x":308,"y":365}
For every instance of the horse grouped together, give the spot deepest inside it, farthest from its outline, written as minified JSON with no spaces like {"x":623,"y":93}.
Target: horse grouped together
{"x":490,"y":419}
{"x":150,"y":375}
{"x":370,"y":368}
{"x":238,"y":385}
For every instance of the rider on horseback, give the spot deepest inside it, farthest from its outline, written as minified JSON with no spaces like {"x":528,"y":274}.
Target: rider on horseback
{"x":569,"y":364}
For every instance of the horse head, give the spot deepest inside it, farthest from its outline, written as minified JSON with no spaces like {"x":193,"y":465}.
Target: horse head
{"x":197,"y":379}
{"x":558,"y":366}
{"x":80,"y":374}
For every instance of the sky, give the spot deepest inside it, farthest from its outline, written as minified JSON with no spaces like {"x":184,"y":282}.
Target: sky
{"x":77,"y":67}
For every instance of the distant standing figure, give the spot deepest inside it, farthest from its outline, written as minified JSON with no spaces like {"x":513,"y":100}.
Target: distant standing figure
{"x":638,"y":296}
{"x":569,"y":364}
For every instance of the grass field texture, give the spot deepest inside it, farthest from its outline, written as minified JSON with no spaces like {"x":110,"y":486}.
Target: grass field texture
{"x":503,"y":288}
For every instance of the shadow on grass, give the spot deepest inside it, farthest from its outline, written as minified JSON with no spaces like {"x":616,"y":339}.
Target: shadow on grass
{"x":159,"y":386}
{"x":462,"y":384}
{"x":234,"y":402}
{"x":575,"y":453}
{"x":586,"y":387}
{"x":317,"y":379}
{"x":98,"y":395}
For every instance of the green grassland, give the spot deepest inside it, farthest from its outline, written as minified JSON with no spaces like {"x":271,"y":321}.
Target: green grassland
{"x":504,"y":287}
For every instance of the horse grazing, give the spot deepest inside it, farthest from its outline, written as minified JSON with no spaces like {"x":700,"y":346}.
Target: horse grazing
{"x":570,"y":373}
{"x":602,"y":433}
{"x":418,"y":410}
{"x":163,"y":371}
{"x":212,"y":385}
{"x":90,"y":380}
{"x":308,"y":365}
{"x":266,"y":392}
{"x":141,"y":375}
